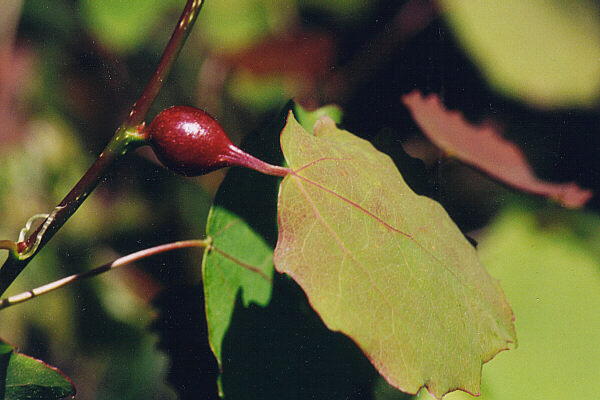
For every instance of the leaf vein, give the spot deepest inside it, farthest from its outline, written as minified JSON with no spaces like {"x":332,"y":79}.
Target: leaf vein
{"x":349,"y":254}
{"x":381,"y":221}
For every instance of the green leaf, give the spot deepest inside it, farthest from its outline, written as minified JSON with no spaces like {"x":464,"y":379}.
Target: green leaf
{"x":230,"y":26}
{"x":546,"y":52}
{"x":308,"y":119}
{"x":238,"y":259}
{"x":242,"y":224}
{"x":124,"y":25}
{"x":384,"y":266}
{"x":250,"y":198}
{"x":246,"y":205}
{"x":24,"y":377}
{"x":257,"y":93}
{"x":550,"y":269}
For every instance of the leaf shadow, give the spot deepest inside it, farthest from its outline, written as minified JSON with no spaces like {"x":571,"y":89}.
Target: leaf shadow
{"x":181,"y":325}
{"x":4,"y":360}
{"x":285,"y":351}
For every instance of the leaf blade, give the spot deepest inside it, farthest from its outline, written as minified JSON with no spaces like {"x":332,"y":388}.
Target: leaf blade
{"x":547,"y":260}
{"x":337,"y":190}
{"x":485,"y":149}
{"x":238,"y":259}
{"x":26,"y":377}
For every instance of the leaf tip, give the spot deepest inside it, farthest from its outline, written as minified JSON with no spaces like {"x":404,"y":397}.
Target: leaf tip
{"x":484,"y":148}
{"x":572,"y":196}
{"x":323,"y":124}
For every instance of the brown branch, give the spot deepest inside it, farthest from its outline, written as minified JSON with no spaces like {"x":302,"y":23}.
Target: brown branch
{"x":180,"y":34}
{"x":128,"y":136}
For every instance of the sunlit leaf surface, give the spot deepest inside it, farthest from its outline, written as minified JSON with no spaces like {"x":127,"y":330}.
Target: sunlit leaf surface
{"x":384,"y":266}
{"x":238,"y":260}
{"x":123,"y":25}
{"x":548,"y":263}
{"x":235,"y":24}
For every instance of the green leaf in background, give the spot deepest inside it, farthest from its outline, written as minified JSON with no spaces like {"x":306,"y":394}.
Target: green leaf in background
{"x":308,"y":119}
{"x":384,"y":266}
{"x":546,"y":52}
{"x":229,"y":26}
{"x":238,"y":259}
{"x":550,"y":269}
{"x":260,"y":93}
{"x":24,"y":377}
{"x":124,"y":25}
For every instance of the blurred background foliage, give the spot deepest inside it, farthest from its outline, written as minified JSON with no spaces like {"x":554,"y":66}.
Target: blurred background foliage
{"x":70,"y":71}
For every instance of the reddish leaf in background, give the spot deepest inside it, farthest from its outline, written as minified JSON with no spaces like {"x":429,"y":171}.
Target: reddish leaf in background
{"x":306,"y":54}
{"x":485,"y":149}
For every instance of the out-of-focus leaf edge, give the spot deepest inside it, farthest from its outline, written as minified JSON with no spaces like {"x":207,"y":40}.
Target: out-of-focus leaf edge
{"x":13,"y":353}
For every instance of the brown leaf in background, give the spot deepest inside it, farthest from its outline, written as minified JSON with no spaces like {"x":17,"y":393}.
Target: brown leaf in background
{"x":15,"y":65}
{"x":304,"y":56}
{"x":484,"y":148}
{"x":307,"y":54}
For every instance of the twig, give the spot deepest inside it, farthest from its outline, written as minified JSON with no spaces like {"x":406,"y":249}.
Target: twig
{"x":9,"y":245}
{"x":127,"y":137}
{"x":119,"y":262}
{"x":180,"y":34}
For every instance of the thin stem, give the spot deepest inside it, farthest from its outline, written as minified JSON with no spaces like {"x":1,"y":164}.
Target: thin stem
{"x":241,"y":158}
{"x":180,"y":34}
{"x":123,"y":141}
{"x":119,"y":262}
{"x":127,"y":137}
{"x":9,"y":245}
